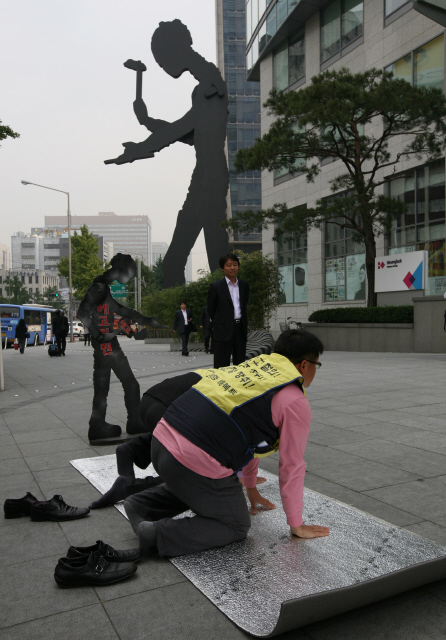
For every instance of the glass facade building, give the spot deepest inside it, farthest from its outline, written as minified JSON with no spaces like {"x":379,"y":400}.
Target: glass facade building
{"x":244,"y":113}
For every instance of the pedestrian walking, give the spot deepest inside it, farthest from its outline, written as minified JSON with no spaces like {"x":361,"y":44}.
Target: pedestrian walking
{"x":21,"y":334}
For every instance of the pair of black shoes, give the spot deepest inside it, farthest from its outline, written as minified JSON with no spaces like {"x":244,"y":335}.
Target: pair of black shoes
{"x":55,"y":509}
{"x":98,"y":565}
{"x":183,"y":353}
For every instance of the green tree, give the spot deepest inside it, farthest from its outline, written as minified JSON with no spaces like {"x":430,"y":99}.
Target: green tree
{"x":151,"y":281}
{"x":7,"y":132}
{"x":52,"y":297}
{"x":370,"y":122}
{"x":16,"y":291}
{"x":85,"y":264}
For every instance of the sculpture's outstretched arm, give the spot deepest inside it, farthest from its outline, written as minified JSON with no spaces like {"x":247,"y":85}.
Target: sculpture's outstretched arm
{"x":154,"y":124}
{"x":136,"y":316}
{"x":161,"y":138}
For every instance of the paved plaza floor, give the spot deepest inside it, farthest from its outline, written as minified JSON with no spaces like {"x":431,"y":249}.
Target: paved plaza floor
{"x":377,"y":442}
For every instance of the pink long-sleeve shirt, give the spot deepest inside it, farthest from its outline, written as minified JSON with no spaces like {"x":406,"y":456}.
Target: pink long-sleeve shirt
{"x":291,"y":413}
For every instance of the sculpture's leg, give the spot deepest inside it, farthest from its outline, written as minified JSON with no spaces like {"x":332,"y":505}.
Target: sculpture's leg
{"x":186,"y":232}
{"x":217,"y":242}
{"x":101,"y":430}
{"x":132,"y":397}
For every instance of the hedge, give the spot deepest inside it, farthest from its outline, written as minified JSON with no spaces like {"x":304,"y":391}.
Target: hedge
{"x":401,"y":314}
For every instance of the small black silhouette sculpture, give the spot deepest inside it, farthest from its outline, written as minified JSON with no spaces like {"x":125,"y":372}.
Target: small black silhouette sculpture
{"x":97,"y":311}
{"x":204,"y":126}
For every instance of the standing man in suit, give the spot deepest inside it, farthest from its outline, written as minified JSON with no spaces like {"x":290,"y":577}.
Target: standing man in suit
{"x":227,"y":304}
{"x":183,"y":317}
{"x":206,"y":324}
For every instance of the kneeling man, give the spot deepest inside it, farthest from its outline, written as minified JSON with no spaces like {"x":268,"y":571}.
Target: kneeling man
{"x":224,"y":423}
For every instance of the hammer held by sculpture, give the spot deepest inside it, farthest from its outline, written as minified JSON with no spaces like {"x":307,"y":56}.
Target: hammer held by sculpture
{"x":204,"y":127}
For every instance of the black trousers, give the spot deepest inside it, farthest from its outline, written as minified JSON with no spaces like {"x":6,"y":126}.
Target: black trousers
{"x":220,"y":506}
{"x":109,"y":357}
{"x":184,"y":340}
{"x":236,"y":347}
{"x":61,"y":341}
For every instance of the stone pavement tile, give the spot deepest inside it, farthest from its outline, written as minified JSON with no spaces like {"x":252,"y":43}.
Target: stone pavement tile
{"x":270,"y":464}
{"x":329,"y":436}
{"x":437,"y":589}
{"x":53,"y":461}
{"x":177,"y":611}
{"x":153,"y":573}
{"x":89,"y":622}
{"x":53,"y":480}
{"x":28,"y":592}
{"x":433,"y":410}
{"x":425,"y":498}
{"x":318,"y":456}
{"x":27,"y":540}
{"x":53,"y":433}
{"x":51,"y":446}
{"x":424,"y":463}
{"x":385,"y":430}
{"x":376,"y":508}
{"x":418,"y":616}
{"x":6,"y":441}
{"x":428,"y":441}
{"x":427,"y":423}
{"x":9,"y":452}
{"x":12,"y":466}
{"x":364,"y":475}
{"x":429,"y":530}
{"x":342,"y":421}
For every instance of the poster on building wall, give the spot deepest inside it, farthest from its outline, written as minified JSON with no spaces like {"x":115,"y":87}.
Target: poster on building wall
{"x":436,"y":269}
{"x":335,"y":279}
{"x":287,"y":284}
{"x":301,"y":282}
{"x":356,"y":279}
{"x":401,"y":272}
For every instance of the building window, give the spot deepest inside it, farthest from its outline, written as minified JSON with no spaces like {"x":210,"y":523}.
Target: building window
{"x":344,"y":264}
{"x":1,"y":280}
{"x":30,"y":291}
{"x":423,"y":67}
{"x":392,"y":5}
{"x":422,"y":227}
{"x":1,"y":291}
{"x":289,"y":61}
{"x":341,"y":23}
{"x":293,"y":266}
{"x":30,"y":280}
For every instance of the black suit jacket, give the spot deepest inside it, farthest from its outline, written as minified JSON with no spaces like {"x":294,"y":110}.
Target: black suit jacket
{"x":221,"y":309}
{"x":178,"y":320}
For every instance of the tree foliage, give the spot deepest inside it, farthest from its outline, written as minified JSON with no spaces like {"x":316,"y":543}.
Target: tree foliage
{"x":16,"y":292}
{"x":261,"y":273}
{"x":85,"y":264}
{"x":152,"y":281}
{"x":370,"y":122}
{"x":7,"y":132}
{"x":51,"y":297}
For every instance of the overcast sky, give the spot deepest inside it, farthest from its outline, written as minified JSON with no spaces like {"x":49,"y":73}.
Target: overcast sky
{"x":65,"y":90}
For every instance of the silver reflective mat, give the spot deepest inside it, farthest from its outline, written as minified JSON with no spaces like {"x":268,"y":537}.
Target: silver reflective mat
{"x":249,"y":581}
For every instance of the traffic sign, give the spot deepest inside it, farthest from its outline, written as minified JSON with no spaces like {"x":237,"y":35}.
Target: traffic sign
{"x":118,"y":290}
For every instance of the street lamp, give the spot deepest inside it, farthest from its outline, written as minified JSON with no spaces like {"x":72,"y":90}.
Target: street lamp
{"x":70,"y":290}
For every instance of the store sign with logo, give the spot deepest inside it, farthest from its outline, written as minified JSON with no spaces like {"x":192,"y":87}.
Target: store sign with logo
{"x":401,"y":272}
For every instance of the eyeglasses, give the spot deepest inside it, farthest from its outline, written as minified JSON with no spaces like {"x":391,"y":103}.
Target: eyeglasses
{"x":318,"y":364}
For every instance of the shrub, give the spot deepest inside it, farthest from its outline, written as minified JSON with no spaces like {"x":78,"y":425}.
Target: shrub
{"x":401,"y":314}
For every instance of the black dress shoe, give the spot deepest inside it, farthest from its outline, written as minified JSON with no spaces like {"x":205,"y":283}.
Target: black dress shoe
{"x":93,"y":570}
{"x":56,"y":510}
{"x":127,"y":555}
{"x":15,"y":508}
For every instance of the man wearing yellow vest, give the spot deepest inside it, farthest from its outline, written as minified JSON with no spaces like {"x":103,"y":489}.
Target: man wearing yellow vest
{"x":224,"y":423}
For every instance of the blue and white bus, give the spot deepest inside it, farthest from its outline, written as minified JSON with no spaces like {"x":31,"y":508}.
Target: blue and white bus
{"x":37,"y":317}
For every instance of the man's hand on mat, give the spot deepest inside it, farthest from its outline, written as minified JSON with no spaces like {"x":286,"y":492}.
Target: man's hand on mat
{"x":255,"y":498}
{"x":310,"y":531}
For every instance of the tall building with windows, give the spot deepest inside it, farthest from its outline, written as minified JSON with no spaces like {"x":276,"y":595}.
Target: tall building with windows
{"x":129,"y":234}
{"x":244,"y":114}
{"x":289,"y":42}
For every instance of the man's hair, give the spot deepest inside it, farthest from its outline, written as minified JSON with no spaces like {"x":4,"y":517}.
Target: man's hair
{"x":57,"y":312}
{"x":183,"y":302}
{"x":298,"y":345}
{"x":229,"y":256}
{"x":123,"y":261}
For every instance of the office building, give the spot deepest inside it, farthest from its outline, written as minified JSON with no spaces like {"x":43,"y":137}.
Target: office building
{"x":289,"y":42}
{"x":35,"y":280}
{"x":244,"y":114}
{"x":129,"y":234}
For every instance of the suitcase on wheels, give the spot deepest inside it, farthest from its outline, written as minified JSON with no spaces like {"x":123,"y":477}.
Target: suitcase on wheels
{"x":53,"y":350}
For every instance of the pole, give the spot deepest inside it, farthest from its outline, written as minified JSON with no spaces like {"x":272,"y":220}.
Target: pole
{"x":2,"y":373}
{"x":70,"y":289}
{"x":139,"y":284}
{"x":135,"y":284}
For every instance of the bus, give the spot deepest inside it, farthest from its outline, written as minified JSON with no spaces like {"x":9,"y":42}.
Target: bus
{"x":38,"y":319}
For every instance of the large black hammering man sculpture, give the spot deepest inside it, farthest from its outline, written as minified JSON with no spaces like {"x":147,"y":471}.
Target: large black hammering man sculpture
{"x":204,"y":127}
{"x":97,"y":311}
